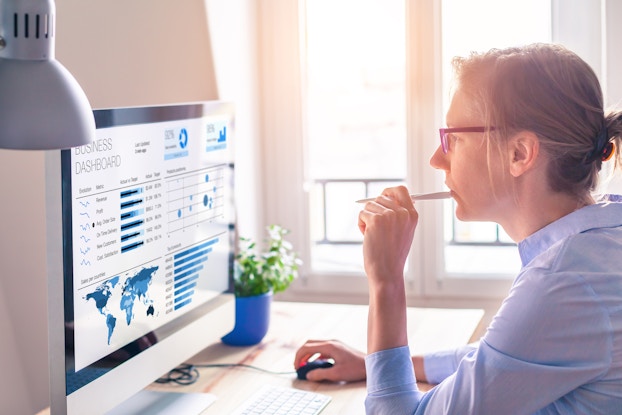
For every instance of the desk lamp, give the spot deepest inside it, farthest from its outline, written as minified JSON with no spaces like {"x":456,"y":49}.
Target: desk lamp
{"x":42,"y":106}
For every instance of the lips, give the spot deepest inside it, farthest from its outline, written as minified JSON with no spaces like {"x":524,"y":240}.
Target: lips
{"x":451,"y":192}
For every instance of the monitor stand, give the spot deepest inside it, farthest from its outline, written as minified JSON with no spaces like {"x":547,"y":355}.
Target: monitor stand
{"x":148,"y":402}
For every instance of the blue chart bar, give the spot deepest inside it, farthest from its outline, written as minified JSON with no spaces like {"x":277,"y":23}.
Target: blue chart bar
{"x":131,"y":203}
{"x":196,"y":248}
{"x":196,"y":259}
{"x":183,"y":300}
{"x":189,"y":287}
{"x":131,"y":214}
{"x":131,"y":246}
{"x":185,"y":284}
{"x":131,"y":225}
{"x":222,"y":135}
{"x":187,"y":265}
{"x":132,"y":220}
{"x":182,"y":275}
{"x":216,"y":136}
{"x":131,"y":235}
{"x":131,"y":192}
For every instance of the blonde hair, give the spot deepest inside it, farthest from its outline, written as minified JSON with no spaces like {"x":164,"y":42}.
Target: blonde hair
{"x":552,"y":92}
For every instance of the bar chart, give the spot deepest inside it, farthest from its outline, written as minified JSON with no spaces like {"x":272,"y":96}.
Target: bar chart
{"x":183,"y":273}
{"x":132,"y":218}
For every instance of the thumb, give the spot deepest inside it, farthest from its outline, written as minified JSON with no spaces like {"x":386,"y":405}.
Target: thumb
{"x":318,"y":375}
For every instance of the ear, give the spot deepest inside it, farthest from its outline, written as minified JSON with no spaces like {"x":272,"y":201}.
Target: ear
{"x":524,"y":148}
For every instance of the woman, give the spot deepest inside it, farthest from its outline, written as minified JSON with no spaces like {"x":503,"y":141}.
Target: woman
{"x":527,"y":137}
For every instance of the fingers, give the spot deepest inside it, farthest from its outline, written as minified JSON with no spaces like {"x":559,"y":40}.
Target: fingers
{"x":328,"y":374}
{"x":400,"y":194}
{"x":324,"y":349}
{"x":393,"y":196}
{"x":393,"y":199}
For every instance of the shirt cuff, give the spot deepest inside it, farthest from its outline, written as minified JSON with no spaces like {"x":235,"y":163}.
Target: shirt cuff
{"x":391,"y":386}
{"x":390,"y":371}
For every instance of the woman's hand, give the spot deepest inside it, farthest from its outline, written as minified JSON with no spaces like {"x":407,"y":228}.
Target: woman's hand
{"x":388,"y":226}
{"x":349,"y":363}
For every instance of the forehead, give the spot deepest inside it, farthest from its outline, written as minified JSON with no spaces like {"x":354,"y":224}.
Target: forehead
{"x":463,"y":111}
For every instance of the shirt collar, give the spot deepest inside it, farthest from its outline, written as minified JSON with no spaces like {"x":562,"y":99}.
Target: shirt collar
{"x":605,"y":214}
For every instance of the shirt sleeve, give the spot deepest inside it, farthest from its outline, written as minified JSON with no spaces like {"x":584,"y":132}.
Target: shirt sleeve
{"x":391,"y":385}
{"x":440,"y":365}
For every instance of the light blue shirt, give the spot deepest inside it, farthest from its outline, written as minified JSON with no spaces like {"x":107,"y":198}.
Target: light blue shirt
{"x":554,"y":347}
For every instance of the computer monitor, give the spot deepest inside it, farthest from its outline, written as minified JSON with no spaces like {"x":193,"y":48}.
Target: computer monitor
{"x":140,"y":228}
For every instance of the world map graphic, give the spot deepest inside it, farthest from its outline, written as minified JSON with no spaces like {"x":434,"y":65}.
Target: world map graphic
{"x":114,"y":300}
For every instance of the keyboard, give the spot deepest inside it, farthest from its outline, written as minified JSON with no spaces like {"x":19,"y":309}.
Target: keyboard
{"x":279,"y":400}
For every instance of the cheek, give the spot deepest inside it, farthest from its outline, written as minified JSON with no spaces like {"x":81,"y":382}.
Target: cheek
{"x":473,"y":186}
{"x":483,"y":199}
{"x":471,"y":174}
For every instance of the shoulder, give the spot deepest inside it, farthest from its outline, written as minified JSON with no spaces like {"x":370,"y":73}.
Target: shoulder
{"x":583,"y":268}
{"x":596,"y":249}
{"x":550,"y":308}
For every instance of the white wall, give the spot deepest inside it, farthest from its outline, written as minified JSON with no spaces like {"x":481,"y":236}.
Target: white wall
{"x":137,"y":52}
{"x":23,"y":306}
{"x":123,"y":53}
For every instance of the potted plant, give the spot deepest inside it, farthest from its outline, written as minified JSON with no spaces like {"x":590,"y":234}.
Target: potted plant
{"x":257,"y":277}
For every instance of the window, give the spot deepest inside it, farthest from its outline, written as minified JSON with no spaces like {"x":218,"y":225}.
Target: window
{"x":354,"y":92}
{"x":355,"y":106}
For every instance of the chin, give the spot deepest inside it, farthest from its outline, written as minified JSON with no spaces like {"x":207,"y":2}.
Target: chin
{"x":465,"y":216}
{"x":461,"y":216}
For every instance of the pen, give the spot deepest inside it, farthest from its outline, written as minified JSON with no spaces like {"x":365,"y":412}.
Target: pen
{"x":422,"y":196}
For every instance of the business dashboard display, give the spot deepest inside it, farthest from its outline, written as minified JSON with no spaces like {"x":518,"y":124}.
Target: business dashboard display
{"x":150,"y":219}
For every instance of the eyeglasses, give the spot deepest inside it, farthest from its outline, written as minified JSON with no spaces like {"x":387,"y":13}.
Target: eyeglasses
{"x":444,"y":132}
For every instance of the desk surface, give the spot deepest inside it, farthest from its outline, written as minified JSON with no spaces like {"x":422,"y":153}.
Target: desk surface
{"x":293,"y":323}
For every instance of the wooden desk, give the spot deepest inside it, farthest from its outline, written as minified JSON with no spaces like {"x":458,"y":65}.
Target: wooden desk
{"x":292,"y":324}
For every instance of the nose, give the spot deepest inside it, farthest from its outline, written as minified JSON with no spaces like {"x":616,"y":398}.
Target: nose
{"x":439,"y":159}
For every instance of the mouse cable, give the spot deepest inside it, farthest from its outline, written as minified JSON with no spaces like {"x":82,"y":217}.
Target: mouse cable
{"x":187,"y":373}
{"x":184,"y":374}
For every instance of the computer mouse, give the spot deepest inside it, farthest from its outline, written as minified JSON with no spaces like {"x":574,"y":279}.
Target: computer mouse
{"x":312,"y":365}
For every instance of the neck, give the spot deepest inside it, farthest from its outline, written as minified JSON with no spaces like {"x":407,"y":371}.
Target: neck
{"x":533,"y":209}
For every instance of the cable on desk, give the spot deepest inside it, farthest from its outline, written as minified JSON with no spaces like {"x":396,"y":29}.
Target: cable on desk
{"x":187,"y":374}
{"x":184,"y":374}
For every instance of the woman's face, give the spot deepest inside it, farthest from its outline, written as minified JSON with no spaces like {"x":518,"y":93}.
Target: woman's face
{"x":478,"y":184}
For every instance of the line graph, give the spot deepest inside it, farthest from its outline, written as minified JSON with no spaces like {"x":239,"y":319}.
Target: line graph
{"x":85,"y":232}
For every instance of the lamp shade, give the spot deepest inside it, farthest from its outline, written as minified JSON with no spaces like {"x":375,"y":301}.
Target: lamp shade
{"x":42,"y":106}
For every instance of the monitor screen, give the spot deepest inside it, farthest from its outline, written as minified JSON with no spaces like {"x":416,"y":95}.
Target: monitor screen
{"x":140,"y":250}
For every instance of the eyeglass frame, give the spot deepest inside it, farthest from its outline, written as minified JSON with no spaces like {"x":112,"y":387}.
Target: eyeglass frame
{"x":445,"y":131}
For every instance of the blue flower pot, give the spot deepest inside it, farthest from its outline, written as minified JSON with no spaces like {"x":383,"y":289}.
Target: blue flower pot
{"x":252,"y":319}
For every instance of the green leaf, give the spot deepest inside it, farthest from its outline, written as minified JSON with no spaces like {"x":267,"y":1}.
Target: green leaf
{"x":273,"y":270}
